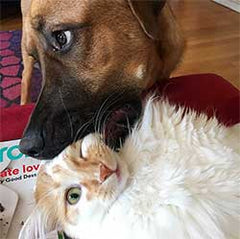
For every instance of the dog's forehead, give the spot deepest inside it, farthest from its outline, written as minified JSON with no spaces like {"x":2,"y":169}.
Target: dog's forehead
{"x":54,"y":12}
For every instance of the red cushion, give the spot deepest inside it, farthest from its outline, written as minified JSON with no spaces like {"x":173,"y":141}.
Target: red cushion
{"x":13,"y":121}
{"x":206,"y":93}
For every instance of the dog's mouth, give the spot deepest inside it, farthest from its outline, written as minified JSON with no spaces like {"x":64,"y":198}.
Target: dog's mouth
{"x":44,"y":139}
{"x":119,"y":124}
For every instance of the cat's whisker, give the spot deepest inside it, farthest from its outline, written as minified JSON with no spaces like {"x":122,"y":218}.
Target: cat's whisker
{"x":98,"y":127}
{"x":114,"y":100}
{"x":82,"y":128}
{"x":104,"y":122}
{"x":98,"y":112}
{"x":128,"y":126}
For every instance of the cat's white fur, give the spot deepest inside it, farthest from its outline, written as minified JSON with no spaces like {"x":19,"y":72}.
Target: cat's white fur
{"x":183,"y":183}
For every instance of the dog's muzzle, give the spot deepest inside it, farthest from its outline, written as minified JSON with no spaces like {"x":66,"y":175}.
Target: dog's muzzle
{"x":53,"y":127}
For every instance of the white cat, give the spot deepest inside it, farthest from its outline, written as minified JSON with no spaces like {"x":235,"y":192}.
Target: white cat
{"x":176,"y":177}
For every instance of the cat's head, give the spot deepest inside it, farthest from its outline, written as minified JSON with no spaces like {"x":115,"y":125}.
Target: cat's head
{"x":80,"y":185}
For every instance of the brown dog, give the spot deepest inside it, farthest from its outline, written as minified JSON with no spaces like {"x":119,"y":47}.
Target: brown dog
{"x":96,"y":57}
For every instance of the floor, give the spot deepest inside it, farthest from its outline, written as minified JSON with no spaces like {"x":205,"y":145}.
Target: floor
{"x":212,"y":34}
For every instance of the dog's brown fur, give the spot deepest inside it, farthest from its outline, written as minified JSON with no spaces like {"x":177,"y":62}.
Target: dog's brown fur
{"x":123,"y":47}
{"x":161,"y":56}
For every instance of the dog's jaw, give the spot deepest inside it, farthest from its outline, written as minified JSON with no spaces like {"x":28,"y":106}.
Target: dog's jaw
{"x":44,"y":140}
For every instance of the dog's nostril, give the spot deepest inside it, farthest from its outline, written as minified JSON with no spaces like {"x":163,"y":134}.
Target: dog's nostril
{"x":31,"y":146}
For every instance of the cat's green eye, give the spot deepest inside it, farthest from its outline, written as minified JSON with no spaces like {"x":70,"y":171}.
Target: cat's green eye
{"x":73,"y":195}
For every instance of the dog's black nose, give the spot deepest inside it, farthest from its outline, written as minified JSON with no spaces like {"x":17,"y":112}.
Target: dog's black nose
{"x":31,"y":146}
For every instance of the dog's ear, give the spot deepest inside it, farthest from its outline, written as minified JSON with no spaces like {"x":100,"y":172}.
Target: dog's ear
{"x":146,"y":13}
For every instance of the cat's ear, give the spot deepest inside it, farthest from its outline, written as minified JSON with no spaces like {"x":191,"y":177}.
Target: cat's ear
{"x":80,"y":148}
{"x":74,"y":150}
{"x":88,"y":141}
{"x":146,"y":13}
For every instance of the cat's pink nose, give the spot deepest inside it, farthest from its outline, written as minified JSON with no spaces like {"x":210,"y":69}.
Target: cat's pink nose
{"x":105,"y":172}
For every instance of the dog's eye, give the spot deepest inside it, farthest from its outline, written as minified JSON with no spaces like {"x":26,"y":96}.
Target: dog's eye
{"x":73,"y":195}
{"x":62,"y":40}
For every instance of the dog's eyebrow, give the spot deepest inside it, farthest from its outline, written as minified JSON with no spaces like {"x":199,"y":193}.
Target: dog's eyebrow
{"x":40,"y":25}
{"x":69,"y":26}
